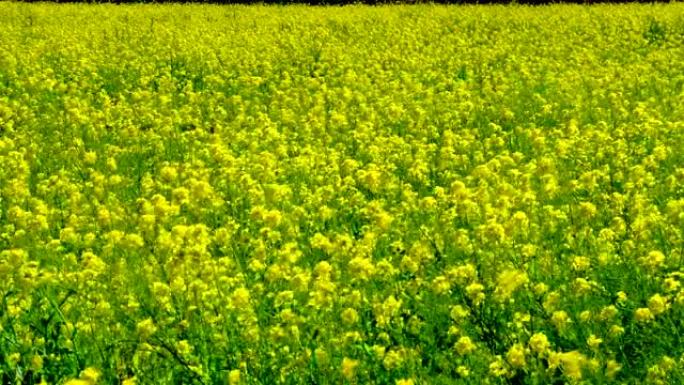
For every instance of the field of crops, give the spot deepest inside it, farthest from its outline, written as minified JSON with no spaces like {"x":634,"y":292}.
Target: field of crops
{"x":357,"y":195}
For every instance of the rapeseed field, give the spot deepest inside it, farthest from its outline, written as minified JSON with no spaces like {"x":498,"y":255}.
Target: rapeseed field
{"x":351,"y":195}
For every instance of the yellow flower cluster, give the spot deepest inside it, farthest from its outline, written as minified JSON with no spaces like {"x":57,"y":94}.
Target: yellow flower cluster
{"x":360,"y":195}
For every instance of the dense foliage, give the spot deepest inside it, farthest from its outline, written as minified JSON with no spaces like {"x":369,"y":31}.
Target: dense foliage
{"x":357,"y":2}
{"x":387,"y":195}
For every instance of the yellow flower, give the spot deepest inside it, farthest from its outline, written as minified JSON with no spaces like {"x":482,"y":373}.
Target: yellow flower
{"x":643,"y":314}
{"x":361,"y":268}
{"x":241,"y":298}
{"x":234,"y":377}
{"x":463,"y":371}
{"x":653,"y":259}
{"x":183,"y":347}
{"x":516,"y":356}
{"x":475,"y":292}
{"x":580,"y":263}
{"x":612,"y":368}
{"x":14,"y":358}
{"x":393,"y":359}
{"x":90,"y":158}
{"x":594,"y":342}
{"x":551,"y":301}
{"x":679,"y":298}
{"x":459,"y":313}
{"x":616,"y":331}
{"x":168,"y":174}
{"x":441,"y":284}
{"x":670,"y":284}
{"x":90,"y":374}
{"x":657,"y":304}
{"x":463,"y":274}
{"x":146,"y":328}
{"x":405,"y":381}
{"x":37,"y":362}
{"x":539,"y":343}
{"x":621,"y":297}
{"x":582,"y":286}
{"x":78,"y":382}
{"x":571,"y":363}
{"x":540,"y":288}
{"x":560,"y":319}
{"x":508,"y":282}
{"x":585,"y":316}
{"x":497,"y":367}
{"x":349,"y":368}
{"x":608,"y":313}
{"x":587,"y":209}
{"x":350,"y":316}
{"x":464,"y":345}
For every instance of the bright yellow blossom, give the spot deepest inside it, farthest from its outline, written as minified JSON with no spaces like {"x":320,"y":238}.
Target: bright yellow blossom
{"x":349,"y":368}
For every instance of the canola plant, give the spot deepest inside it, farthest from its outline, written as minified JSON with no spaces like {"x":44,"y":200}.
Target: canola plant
{"x":352,"y":195}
